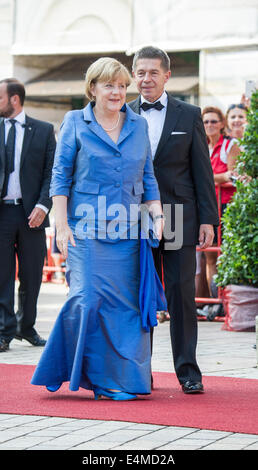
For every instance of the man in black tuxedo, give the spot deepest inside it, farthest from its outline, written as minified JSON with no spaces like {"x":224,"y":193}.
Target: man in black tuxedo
{"x":184,"y":174}
{"x":27,"y":149}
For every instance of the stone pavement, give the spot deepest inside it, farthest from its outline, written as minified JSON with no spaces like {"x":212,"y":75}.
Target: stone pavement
{"x":219,"y":352}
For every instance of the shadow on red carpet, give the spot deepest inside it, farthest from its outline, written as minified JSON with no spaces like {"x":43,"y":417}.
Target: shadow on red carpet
{"x":228,"y":404}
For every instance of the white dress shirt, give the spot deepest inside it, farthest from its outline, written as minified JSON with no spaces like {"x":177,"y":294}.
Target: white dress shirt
{"x":155,"y":121}
{"x":14,"y":187}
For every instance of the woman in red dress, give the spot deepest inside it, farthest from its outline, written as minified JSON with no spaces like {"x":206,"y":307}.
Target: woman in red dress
{"x":223,"y":152}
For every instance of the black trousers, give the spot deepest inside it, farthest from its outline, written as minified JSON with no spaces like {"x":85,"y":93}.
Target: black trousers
{"x":179,"y":267}
{"x":29,"y":245}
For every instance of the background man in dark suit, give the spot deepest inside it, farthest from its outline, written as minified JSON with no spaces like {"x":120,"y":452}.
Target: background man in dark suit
{"x":184,"y":174}
{"x":27,"y":149}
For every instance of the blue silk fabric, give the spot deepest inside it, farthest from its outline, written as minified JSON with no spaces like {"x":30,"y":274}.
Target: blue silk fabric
{"x":101,"y":336}
{"x":151,"y":293}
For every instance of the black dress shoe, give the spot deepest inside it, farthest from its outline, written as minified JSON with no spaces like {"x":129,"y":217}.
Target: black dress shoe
{"x":35,"y":340}
{"x":192,"y":387}
{"x":4,"y":345}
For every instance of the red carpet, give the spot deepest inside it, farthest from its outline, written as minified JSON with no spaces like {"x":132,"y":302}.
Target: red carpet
{"x":229,"y":404}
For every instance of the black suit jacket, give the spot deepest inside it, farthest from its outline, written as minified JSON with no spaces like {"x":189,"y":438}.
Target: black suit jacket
{"x":36,"y":163}
{"x":182,"y":168}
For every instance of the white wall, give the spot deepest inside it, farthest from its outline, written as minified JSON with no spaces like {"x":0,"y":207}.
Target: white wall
{"x":195,"y":24}
{"x":225,"y":31}
{"x":72,"y":26}
{"x":6,"y":28}
{"x":223,"y":74}
{"x":50,"y":113}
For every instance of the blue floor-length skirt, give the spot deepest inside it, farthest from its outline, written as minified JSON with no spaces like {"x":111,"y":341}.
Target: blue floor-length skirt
{"x":98,"y":339}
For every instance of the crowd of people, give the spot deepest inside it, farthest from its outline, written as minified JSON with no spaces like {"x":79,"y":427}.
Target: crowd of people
{"x":224,"y":133}
{"x":155,"y":151}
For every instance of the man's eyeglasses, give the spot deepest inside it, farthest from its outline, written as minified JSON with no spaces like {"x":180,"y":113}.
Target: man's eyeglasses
{"x":211,"y":121}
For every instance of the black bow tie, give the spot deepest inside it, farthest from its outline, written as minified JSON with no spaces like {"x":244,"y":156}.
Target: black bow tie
{"x":145,"y":106}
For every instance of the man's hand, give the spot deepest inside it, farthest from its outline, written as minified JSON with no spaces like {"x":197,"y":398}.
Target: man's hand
{"x":36,"y":217}
{"x":206,"y":235}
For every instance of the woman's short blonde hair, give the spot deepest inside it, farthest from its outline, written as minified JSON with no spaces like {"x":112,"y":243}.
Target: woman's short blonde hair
{"x":105,"y":69}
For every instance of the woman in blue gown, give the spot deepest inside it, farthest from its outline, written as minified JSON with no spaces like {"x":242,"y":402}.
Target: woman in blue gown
{"x":102,"y":172}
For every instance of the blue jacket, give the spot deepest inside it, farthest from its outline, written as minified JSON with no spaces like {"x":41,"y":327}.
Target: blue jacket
{"x":89,"y":164}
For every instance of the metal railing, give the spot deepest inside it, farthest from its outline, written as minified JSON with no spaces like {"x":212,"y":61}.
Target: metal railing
{"x":217,"y":249}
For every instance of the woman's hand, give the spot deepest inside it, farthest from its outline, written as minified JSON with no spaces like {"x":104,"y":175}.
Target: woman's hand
{"x":221,"y":178}
{"x":63,"y":232}
{"x":159,"y":226}
{"x":228,"y":175}
{"x":243,"y":178}
{"x":245,"y":101}
{"x":63,"y":236}
{"x":155,"y":209}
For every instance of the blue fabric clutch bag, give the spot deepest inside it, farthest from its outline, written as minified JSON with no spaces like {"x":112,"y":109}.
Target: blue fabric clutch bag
{"x":151,"y":294}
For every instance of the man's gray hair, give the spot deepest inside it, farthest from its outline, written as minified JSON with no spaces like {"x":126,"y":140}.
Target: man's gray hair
{"x":150,"y":52}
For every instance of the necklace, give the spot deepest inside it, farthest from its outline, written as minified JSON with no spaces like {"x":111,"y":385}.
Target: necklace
{"x":113,"y":128}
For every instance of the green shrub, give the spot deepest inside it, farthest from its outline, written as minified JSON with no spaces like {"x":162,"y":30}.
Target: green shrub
{"x":248,"y":159}
{"x":238,"y":262}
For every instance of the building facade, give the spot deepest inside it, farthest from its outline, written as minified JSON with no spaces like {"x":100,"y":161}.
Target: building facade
{"x":49,"y":45}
